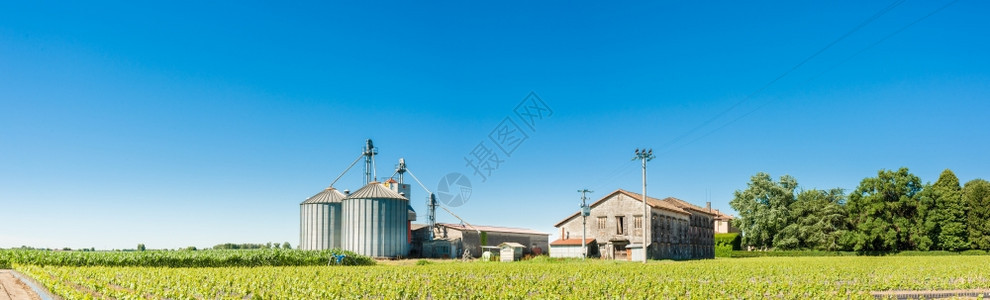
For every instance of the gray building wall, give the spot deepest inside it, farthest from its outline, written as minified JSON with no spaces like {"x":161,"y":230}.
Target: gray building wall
{"x":673,"y":235}
{"x":457,"y":240}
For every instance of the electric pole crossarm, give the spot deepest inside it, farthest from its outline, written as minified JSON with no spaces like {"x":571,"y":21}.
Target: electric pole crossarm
{"x":585,"y":211}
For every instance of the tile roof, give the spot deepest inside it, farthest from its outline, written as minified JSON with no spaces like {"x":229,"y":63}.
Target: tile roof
{"x":722,"y":216}
{"x":484,"y":228}
{"x":328,"y":195}
{"x":571,"y":242}
{"x":685,"y":205}
{"x":653,"y":202}
{"x":375,"y":190}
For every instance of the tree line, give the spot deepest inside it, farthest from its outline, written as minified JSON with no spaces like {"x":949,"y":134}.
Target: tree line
{"x":893,"y":211}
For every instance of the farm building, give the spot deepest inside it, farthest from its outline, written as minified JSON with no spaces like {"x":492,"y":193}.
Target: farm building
{"x":376,"y":221}
{"x":678,"y":229}
{"x":372,"y":221}
{"x":572,"y":248}
{"x":451,"y":240}
{"x":510,"y":251}
{"x":723,"y":223}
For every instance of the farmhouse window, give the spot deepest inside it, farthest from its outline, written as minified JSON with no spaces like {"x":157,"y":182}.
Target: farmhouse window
{"x":618,"y":224}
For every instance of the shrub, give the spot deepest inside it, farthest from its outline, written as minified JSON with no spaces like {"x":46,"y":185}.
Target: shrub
{"x":722,"y":250}
{"x":731,"y":239}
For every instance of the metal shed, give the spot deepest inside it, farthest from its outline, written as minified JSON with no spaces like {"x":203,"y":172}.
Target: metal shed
{"x":319,"y":225}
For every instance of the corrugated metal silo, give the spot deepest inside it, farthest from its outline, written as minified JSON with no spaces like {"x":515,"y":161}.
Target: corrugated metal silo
{"x":376,"y":222}
{"x":319,"y":226}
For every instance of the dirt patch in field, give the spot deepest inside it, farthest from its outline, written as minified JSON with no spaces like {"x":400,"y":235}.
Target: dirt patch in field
{"x":945,"y":294}
{"x":13,"y":289}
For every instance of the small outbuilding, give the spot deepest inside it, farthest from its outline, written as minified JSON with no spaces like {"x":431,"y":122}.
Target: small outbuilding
{"x":510,"y":251}
{"x":572,"y":248}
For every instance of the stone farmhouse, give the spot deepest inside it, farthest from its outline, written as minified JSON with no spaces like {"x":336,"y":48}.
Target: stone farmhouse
{"x":677,"y":229}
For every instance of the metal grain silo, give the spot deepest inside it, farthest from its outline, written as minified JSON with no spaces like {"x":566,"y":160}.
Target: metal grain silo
{"x":376,"y":222}
{"x":319,"y":225}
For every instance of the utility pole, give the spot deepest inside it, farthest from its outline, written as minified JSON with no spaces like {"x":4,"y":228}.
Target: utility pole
{"x":585,"y":211}
{"x":644,"y":155}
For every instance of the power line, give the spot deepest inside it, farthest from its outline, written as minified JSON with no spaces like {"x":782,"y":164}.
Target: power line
{"x":869,"y":20}
{"x":820,"y":74}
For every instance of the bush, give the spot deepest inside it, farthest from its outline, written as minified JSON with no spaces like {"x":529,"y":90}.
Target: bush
{"x":733,"y":240}
{"x":974,"y":252}
{"x":722,"y":250}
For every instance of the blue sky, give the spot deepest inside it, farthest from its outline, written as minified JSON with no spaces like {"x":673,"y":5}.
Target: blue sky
{"x":193,"y":124}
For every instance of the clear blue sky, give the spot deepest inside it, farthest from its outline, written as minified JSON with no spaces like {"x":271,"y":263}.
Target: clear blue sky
{"x":193,"y":124}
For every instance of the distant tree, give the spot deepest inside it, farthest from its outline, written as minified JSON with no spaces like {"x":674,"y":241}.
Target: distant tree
{"x":140,"y":247}
{"x":883,"y":211}
{"x":944,"y":211}
{"x":819,"y":220}
{"x":976,"y":193}
{"x":277,"y":245}
{"x":190,"y":248}
{"x":286,"y":246}
{"x":232,"y":246}
{"x":268,"y":245}
{"x":763,"y":209}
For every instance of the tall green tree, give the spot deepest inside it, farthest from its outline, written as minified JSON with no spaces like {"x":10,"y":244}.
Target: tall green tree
{"x":763,"y":209}
{"x":944,"y":211}
{"x":819,"y":220}
{"x":883,"y":211}
{"x":976,"y":194}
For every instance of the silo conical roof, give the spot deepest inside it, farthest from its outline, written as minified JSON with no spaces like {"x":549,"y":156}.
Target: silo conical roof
{"x":375,"y":190}
{"x":329,"y":195}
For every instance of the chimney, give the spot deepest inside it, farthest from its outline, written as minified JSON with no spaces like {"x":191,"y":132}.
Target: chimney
{"x":708,"y":205}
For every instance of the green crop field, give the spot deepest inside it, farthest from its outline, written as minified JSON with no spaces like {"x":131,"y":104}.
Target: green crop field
{"x":750,"y":278}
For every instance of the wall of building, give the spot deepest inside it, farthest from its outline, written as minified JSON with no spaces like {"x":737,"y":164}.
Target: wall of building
{"x":724,"y":226}
{"x":673,"y":235}
{"x":457,"y":240}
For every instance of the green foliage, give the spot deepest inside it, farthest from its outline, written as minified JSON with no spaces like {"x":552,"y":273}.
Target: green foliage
{"x":976,"y":194}
{"x":286,"y":245}
{"x":484,"y":238}
{"x":883,"y":211}
{"x":230,"y":246}
{"x":763,"y":209}
{"x":942,"y":215}
{"x":140,"y":247}
{"x":732,"y":239}
{"x":751,"y":278}
{"x":423,"y":262}
{"x":723,"y":250}
{"x":819,"y":220}
{"x":790,"y":253}
{"x":181,"y":259}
